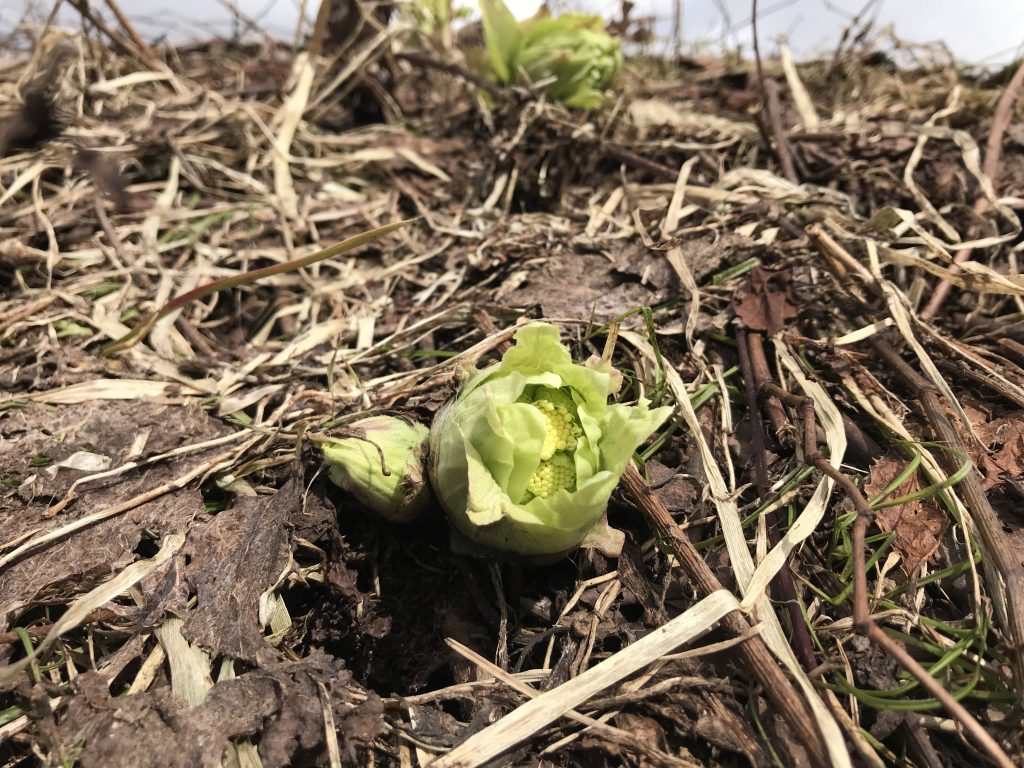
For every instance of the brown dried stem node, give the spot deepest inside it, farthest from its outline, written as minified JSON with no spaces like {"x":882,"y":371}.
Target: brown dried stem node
{"x":785,"y":432}
{"x":773,"y":106}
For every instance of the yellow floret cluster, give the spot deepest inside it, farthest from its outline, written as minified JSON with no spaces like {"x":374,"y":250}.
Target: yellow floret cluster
{"x":562,"y":430}
{"x":553,"y":475}
{"x":557,"y":468}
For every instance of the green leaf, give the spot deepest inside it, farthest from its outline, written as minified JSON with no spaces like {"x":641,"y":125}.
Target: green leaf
{"x":575,"y":50}
{"x":502,"y":36}
{"x":64,"y":328}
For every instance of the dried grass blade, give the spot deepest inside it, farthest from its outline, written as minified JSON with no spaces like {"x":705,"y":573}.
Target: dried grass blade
{"x":92,"y":600}
{"x":24,"y":178}
{"x":104,"y":389}
{"x":290,"y":114}
{"x":743,"y":564}
{"x":802,"y":99}
{"x":922,"y":200}
{"x":525,"y":721}
{"x":190,"y":666}
{"x":126,"y":342}
{"x":978,"y":278}
{"x":675,"y":253}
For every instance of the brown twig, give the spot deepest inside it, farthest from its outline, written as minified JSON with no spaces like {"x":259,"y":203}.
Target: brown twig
{"x":429,"y":62}
{"x":919,"y":744}
{"x":770,"y":96}
{"x":490,"y":329}
{"x":37,"y":631}
{"x":782,"y":585}
{"x":122,"y":45}
{"x":993,"y":152}
{"x":147,"y":54}
{"x":757,"y":44}
{"x":861,"y":608}
{"x":1014,"y":348}
{"x":785,"y":433}
{"x":756,"y":656}
{"x":862,"y":446}
{"x":756,"y":426}
{"x":774,"y":108}
{"x":959,"y":368}
{"x":638,"y":161}
{"x":316,"y":41}
{"x":847,"y":31}
{"x":108,"y":229}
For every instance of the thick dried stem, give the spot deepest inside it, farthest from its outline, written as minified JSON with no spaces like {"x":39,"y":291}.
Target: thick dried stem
{"x":785,"y":433}
{"x":783,"y":588}
{"x":780,"y":692}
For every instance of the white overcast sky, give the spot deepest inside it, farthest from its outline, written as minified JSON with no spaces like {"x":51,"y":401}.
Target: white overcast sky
{"x":977,"y":31}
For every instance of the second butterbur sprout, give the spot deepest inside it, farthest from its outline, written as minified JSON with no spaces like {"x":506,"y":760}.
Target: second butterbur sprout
{"x":380,"y":461}
{"x":570,"y":53}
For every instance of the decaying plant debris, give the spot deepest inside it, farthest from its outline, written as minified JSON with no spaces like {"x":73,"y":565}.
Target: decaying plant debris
{"x":823,"y":557}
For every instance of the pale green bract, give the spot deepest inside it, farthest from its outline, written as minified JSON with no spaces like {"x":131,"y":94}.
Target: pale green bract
{"x":358,"y":460}
{"x":525,"y":458}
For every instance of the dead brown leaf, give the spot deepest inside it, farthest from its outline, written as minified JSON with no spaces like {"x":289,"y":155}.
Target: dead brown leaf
{"x":105,"y":176}
{"x":919,"y":525}
{"x":1004,"y":437}
{"x":724,"y":728}
{"x":580,"y":285}
{"x":767,"y":301}
{"x":679,"y":492}
{"x":645,"y":728}
{"x":31,"y":124}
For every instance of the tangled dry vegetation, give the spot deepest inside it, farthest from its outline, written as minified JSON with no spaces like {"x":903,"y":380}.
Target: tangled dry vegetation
{"x":816,"y":265}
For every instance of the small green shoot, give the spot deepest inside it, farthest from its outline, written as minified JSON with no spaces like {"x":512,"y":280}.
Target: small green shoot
{"x":99,"y":290}
{"x":738,"y":270}
{"x":64,"y":328}
{"x":26,"y":643}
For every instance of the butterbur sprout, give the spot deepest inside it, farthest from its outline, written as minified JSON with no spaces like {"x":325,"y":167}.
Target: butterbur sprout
{"x":571,"y":53}
{"x":379,"y":460}
{"x":575,"y":50}
{"x":526,"y":456}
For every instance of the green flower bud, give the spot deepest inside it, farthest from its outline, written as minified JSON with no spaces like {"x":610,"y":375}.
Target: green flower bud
{"x":526,"y":456}
{"x":572,"y":51}
{"x":379,"y":460}
{"x":575,"y":49}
